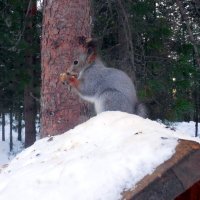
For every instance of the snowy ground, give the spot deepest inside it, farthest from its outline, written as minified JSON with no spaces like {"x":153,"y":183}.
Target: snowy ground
{"x":5,"y":155}
{"x":98,"y":159}
{"x":187,"y":128}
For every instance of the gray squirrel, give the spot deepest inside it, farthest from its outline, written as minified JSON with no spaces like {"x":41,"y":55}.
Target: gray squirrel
{"x":109,"y":89}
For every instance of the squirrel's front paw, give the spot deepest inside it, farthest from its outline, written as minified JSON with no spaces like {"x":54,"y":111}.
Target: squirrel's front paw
{"x":69,"y":79}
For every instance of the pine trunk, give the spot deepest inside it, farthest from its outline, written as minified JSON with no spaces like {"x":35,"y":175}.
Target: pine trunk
{"x":29,"y":117}
{"x":63,"y":22}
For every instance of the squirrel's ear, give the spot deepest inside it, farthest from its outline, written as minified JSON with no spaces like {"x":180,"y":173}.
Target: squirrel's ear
{"x":88,"y":43}
{"x":91,"y":45}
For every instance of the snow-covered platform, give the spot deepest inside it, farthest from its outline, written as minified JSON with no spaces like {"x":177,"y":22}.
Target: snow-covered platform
{"x":111,"y":156}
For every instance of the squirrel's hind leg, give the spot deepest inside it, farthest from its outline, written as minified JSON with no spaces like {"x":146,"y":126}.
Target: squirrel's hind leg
{"x":113,"y":100}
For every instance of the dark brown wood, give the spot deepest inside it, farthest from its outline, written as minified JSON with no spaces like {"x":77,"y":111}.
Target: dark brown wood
{"x":29,"y":101}
{"x":63,"y":22}
{"x":188,"y":170}
{"x":192,"y":193}
{"x":171,"y":178}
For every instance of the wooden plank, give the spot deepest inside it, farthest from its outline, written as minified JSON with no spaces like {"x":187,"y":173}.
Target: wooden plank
{"x":172,"y":177}
{"x":188,"y":170}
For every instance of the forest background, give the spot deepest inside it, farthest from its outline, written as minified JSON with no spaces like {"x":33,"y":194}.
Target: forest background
{"x":156,"y":43}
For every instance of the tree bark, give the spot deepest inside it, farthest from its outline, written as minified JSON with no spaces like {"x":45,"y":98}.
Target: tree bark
{"x":29,"y":101}
{"x":63,"y":22}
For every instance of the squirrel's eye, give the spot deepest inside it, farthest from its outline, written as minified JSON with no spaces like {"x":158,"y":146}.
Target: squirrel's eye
{"x":75,"y":62}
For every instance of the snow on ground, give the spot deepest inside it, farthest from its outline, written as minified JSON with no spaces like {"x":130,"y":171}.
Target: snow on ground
{"x":187,"y":128}
{"x":5,"y":155}
{"x":98,"y":159}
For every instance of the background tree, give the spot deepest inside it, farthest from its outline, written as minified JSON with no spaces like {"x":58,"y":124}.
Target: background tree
{"x":161,"y":52}
{"x":30,"y":61}
{"x":14,"y":69}
{"x":188,"y":18}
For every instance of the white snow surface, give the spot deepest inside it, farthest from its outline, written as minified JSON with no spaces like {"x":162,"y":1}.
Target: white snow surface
{"x":187,"y":128}
{"x":96,"y":160}
{"x":5,"y":154}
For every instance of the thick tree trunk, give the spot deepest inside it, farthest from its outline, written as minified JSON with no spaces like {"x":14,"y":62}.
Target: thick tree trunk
{"x":63,"y":22}
{"x":29,"y":102}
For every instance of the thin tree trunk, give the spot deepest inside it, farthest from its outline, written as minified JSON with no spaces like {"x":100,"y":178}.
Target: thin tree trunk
{"x":3,"y":125}
{"x":196,"y":100}
{"x":123,"y":52}
{"x":63,"y":22}
{"x":29,"y":101}
{"x":196,"y":113}
{"x":11,"y":136}
{"x":19,"y":128}
{"x":128,"y":36}
{"x":29,"y":116}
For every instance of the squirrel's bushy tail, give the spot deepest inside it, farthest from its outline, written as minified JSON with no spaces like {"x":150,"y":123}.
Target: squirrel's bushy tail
{"x":141,"y":110}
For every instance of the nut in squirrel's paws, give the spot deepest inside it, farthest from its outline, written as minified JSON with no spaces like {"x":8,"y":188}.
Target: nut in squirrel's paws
{"x":67,"y":77}
{"x":63,"y":77}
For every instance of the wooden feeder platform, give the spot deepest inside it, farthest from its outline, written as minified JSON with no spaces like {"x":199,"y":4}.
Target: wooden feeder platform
{"x":177,"y":178}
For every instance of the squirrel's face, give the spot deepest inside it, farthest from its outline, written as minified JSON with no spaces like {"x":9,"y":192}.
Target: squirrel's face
{"x":79,"y":63}
{"x":83,"y":57}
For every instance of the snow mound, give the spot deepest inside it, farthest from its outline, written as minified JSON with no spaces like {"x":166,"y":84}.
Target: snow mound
{"x":98,"y":159}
